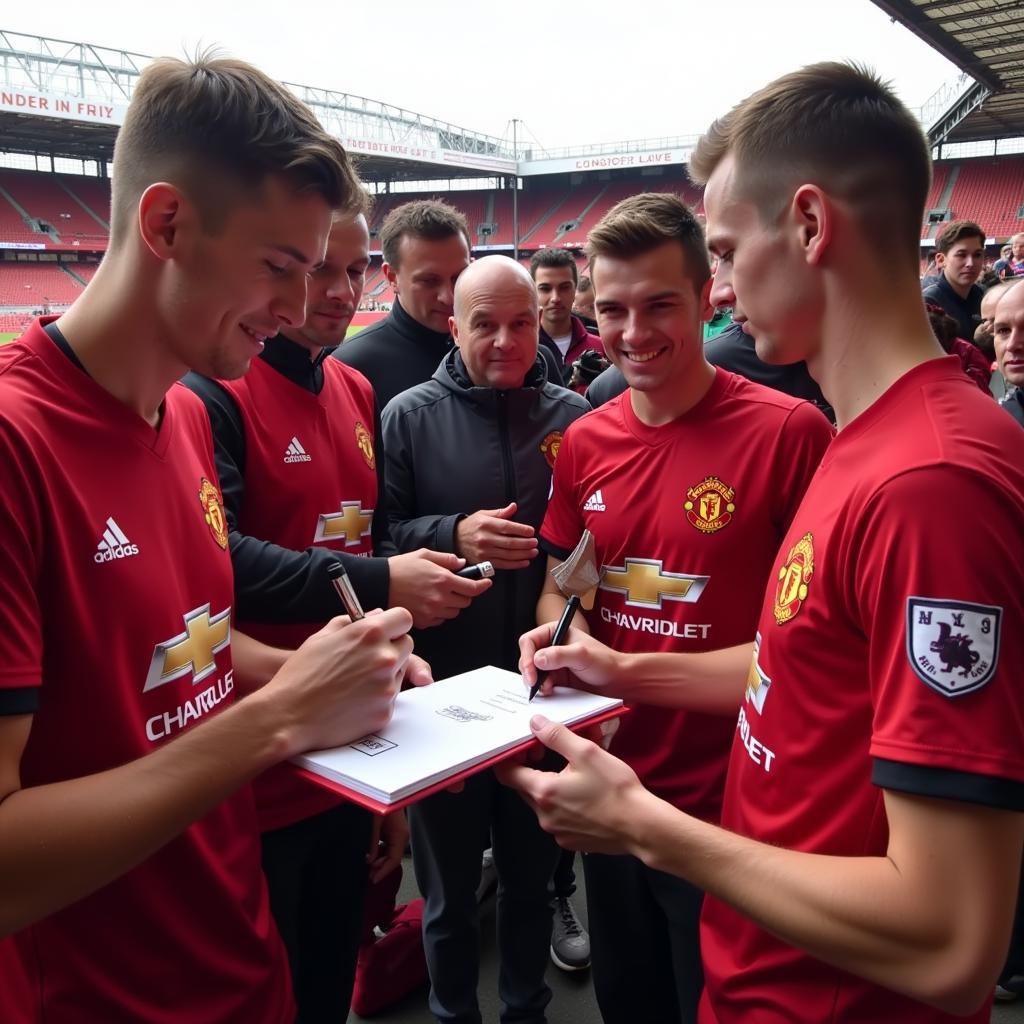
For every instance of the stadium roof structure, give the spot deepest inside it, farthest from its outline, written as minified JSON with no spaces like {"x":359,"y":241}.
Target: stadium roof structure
{"x":68,"y":99}
{"x":985,"y":39}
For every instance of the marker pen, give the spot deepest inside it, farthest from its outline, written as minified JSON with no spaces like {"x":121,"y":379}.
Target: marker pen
{"x":480,"y":571}
{"x":347,"y":593}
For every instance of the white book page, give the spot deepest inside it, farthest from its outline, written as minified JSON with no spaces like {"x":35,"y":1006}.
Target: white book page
{"x":439,"y":730}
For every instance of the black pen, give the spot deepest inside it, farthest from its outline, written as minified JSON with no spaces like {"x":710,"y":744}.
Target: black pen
{"x":572,"y":606}
{"x":347,"y":593}
{"x":480,"y":571}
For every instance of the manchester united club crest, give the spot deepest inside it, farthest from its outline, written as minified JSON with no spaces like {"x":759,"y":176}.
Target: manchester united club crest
{"x":709,"y":505}
{"x":365,"y":444}
{"x":550,"y":445}
{"x":953,"y":646}
{"x":213,"y":512}
{"x":794,"y":579}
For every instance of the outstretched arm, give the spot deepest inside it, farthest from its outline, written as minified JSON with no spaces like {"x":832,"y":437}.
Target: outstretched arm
{"x":930,"y":919}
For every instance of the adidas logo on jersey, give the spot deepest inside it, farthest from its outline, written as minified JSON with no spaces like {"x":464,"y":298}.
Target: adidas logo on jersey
{"x":296,"y":453}
{"x":595,"y":503}
{"x":114,"y":544}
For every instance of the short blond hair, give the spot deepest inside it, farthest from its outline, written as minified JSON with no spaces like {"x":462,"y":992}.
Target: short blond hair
{"x":835,"y":125}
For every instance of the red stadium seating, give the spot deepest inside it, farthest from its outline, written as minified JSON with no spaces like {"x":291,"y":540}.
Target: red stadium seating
{"x":14,"y":322}
{"x":43,"y":197}
{"x":36,"y":285}
{"x":990,"y":192}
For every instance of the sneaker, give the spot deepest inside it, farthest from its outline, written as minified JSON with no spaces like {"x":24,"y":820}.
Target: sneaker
{"x":570,"y":943}
{"x":488,"y":879}
{"x":1009,"y":988}
{"x":1004,"y":995}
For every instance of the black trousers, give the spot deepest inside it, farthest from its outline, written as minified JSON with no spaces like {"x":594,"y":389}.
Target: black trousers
{"x":564,"y":882}
{"x":644,"y":942}
{"x":449,"y":832}
{"x":317,"y":872}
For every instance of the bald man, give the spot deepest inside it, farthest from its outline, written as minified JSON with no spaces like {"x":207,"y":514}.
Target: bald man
{"x":469,"y":457}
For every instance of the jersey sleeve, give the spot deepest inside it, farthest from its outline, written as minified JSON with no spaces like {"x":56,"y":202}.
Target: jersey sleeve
{"x":805,"y":438}
{"x":21,"y":625}
{"x":936,"y":580}
{"x":563,"y":524}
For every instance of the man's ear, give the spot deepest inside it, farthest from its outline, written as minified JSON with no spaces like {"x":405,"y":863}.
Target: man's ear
{"x":813,"y":212}
{"x":453,"y":329}
{"x":707,"y":310}
{"x":162,"y":213}
{"x":389,"y":273}
{"x":940,"y":260}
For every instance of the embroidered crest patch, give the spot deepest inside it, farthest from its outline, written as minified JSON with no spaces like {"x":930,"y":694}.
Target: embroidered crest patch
{"x":953,"y":646}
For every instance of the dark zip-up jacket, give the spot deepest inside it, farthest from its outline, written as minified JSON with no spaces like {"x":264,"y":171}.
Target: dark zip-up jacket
{"x":398,"y":352}
{"x":582,"y":341}
{"x":452,"y":449}
{"x":273,"y":583}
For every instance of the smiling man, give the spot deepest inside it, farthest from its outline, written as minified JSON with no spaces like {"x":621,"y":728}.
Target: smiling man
{"x":129,"y":851}
{"x":469,"y":457}
{"x":871,"y":843}
{"x":687,"y":481}
{"x":295,"y":442}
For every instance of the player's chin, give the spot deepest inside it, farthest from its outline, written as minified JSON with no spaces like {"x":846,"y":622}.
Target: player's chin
{"x":228,"y":368}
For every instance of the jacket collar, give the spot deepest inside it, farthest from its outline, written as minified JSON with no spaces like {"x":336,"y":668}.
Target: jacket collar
{"x":292,"y":361}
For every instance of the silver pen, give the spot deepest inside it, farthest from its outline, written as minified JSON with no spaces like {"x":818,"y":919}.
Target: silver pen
{"x":347,"y":593}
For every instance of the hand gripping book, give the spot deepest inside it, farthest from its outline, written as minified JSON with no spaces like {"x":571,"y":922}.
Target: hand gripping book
{"x":443,"y":733}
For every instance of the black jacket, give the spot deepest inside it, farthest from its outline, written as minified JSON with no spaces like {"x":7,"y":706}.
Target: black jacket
{"x":452,"y":449}
{"x":966,"y":312}
{"x":397,"y":353}
{"x":734,"y":351}
{"x":272,"y":583}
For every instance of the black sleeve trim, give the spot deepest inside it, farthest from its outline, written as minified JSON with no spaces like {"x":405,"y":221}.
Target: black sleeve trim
{"x":948,"y":784}
{"x":549,"y":549}
{"x":19,"y":700}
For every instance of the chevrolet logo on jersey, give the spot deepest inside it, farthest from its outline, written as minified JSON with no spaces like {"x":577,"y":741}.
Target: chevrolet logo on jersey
{"x":758,"y":684}
{"x":351,"y":522}
{"x":192,"y":651}
{"x":646,"y":584}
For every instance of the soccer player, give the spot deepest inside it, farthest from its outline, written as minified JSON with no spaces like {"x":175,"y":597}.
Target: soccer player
{"x":295,"y":443}
{"x":871,"y":842}
{"x":688,"y":482}
{"x":129,"y":858}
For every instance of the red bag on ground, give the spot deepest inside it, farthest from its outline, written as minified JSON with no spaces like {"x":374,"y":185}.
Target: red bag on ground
{"x":392,"y":966}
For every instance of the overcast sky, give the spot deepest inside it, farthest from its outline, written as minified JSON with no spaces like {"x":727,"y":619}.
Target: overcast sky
{"x":572,"y":72}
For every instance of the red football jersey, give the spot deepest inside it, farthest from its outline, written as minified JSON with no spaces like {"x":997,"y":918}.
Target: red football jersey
{"x":686,"y":519}
{"x":116,"y":604}
{"x":889,"y":656}
{"x":310,"y":478}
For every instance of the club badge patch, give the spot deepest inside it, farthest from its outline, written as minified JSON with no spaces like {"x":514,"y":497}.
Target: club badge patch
{"x":550,"y":445}
{"x":365,"y":445}
{"x":794,"y":579}
{"x":213,"y":511}
{"x":709,"y":505}
{"x":953,"y":646}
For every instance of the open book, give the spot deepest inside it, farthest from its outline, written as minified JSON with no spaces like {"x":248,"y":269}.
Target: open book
{"x":443,"y":732}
